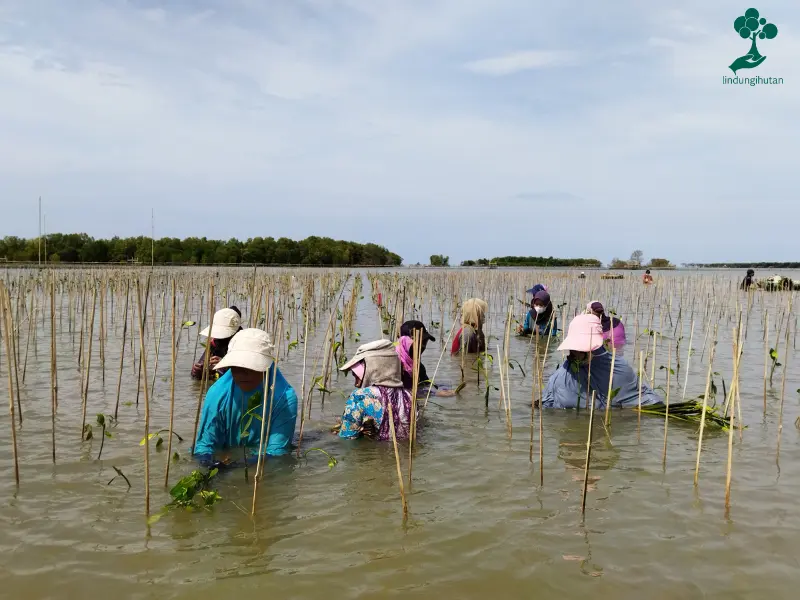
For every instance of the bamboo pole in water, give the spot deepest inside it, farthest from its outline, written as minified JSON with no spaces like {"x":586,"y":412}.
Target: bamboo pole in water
{"x":303,"y":385}
{"x":705,"y":405}
{"x":734,"y":385}
{"x":5,"y":305}
{"x":639,"y":417}
{"x":88,"y":358}
{"x":766,"y":360}
{"x":397,"y":461}
{"x":171,"y":386}
{"x":412,"y":430}
{"x":588,"y":456}
{"x":666,"y":407}
{"x":53,"y":365}
{"x":143,"y":364}
{"x":207,"y":356}
{"x":783,"y":389}
{"x":122,"y":348}
{"x":688,"y":362}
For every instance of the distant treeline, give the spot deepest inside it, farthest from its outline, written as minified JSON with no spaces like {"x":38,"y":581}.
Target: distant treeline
{"x":533,"y":261}
{"x":312,"y":251}
{"x":759,"y":265}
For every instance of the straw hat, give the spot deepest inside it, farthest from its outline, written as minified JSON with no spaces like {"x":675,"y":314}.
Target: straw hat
{"x":249,"y":349}
{"x":585,"y":334}
{"x":226,"y":323}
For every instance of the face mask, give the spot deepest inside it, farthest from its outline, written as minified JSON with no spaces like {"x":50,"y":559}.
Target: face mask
{"x":539,"y":309}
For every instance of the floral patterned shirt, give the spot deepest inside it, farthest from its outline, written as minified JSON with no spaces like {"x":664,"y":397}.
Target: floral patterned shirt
{"x":366,"y":404}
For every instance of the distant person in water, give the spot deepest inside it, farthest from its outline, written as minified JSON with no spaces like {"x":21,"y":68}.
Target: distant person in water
{"x":471,"y":336}
{"x":582,"y":275}
{"x":748,"y":280}
{"x":405,"y":352}
{"x":647,"y":279}
{"x":246,"y":385}
{"x":539,"y":317}
{"x":587,"y":369}
{"x":613,"y":329}
{"x":376,"y":371}
{"x":227,"y":322}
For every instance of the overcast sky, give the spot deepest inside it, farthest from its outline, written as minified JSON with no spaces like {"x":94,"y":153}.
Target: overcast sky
{"x":472,"y":128}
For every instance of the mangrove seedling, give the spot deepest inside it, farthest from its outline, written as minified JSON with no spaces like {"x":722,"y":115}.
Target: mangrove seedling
{"x":191,"y":492}
{"x":119,"y":474}
{"x":101,"y":423}
{"x":332,"y":462}
{"x":159,"y":440}
{"x":773,"y":355}
{"x":511,"y":362}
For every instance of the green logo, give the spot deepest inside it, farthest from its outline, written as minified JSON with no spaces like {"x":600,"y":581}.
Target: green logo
{"x":753,"y":27}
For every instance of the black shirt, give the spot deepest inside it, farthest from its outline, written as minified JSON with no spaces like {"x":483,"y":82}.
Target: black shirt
{"x":408,"y":379}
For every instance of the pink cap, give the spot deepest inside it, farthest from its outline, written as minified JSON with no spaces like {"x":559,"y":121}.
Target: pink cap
{"x":585,"y":334}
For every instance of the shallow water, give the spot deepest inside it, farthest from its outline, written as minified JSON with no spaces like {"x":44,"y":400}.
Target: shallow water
{"x":480,"y":524}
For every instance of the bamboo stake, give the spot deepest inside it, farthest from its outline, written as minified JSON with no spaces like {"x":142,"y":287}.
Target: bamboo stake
{"x":122,"y":347}
{"x":705,"y":405}
{"x":143,"y":364}
{"x":412,"y":430}
{"x":171,"y":387}
{"x":639,"y":418}
{"x":666,"y":407}
{"x":783,"y":389}
{"x":53,"y":366}
{"x":206,"y":375}
{"x":5,"y":304}
{"x":766,"y":361}
{"x":588,"y":456}
{"x":397,"y":461}
{"x":88,"y":358}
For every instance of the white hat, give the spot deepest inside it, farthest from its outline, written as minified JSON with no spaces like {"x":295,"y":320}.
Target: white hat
{"x":249,"y":349}
{"x":226,"y":322}
{"x":585,"y":334}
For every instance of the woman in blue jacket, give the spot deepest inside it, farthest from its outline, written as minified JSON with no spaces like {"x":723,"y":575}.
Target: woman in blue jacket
{"x":234,"y":405}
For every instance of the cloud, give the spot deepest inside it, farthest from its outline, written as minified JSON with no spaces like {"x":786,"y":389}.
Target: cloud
{"x":525,"y":60}
{"x":356,"y":118}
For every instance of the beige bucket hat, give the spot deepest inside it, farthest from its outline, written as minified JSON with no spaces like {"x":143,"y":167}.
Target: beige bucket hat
{"x":249,"y":349}
{"x":225,"y":324}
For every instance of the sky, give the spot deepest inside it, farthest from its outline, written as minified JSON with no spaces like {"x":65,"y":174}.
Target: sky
{"x":469,"y":128}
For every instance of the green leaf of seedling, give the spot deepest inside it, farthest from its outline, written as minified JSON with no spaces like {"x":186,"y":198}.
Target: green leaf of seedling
{"x":773,"y":354}
{"x":101,"y":420}
{"x":108,"y":434}
{"x":292,"y":346}
{"x":176,"y":457}
{"x":614,"y":393}
{"x":188,"y":324}
{"x":777,"y":364}
{"x":149,"y":437}
{"x":159,"y":442}
{"x":461,"y":386}
{"x":155,"y":518}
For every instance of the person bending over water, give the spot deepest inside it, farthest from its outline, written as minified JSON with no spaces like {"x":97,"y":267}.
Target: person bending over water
{"x":376,"y":369}
{"x":471,"y":336}
{"x":575,"y":380}
{"x":405,"y":352}
{"x":613,"y":329}
{"x":240,"y":393}
{"x":227,"y":322}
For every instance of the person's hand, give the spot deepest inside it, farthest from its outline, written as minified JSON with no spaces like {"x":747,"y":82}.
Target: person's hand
{"x":213,"y":361}
{"x":445,"y":393}
{"x":520,"y":329}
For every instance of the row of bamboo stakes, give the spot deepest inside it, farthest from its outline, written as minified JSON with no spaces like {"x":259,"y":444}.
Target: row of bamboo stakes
{"x":298,"y":303}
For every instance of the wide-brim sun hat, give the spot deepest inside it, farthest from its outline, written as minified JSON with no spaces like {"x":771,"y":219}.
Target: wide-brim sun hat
{"x":379,"y":347}
{"x":226,"y":323}
{"x":249,"y":349}
{"x":585,"y":334}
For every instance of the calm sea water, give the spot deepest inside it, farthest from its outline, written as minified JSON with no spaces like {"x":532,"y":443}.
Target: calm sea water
{"x":479,"y":525}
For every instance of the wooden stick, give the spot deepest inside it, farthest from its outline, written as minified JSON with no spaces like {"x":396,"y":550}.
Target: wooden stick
{"x":88,"y":358}
{"x":397,"y":461}
{"x":143,"y":364}
{"x":5,"y":305}
{"x":639,"y":418}
{"x":766,"y":360}
{"x":53,"y":365}
{"x":412,"y":430}
{"x":171,"y":386}
{"x":588,"y":456}
{"x":666,"y":407}
{"x":783,"y":387}
{"x":122,"y":348}
{"x":705,"y":405}
{"x":206,"y":374}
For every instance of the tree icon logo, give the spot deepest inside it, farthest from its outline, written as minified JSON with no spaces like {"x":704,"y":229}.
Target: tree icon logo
{"x":753,"y":27}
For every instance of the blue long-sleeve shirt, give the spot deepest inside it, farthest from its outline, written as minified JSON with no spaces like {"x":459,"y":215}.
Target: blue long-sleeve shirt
{"x":569,"y":383}
{"x":225,"y":413}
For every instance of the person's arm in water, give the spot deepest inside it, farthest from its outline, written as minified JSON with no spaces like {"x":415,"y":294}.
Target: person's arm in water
{"x":527,"y":326}
{"x":212,"y":432}
{"x":360,"y":408}
{"x":284,"y":419}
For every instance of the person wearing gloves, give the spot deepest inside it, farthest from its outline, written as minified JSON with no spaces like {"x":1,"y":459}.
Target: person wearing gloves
{"x":232,"y":410}
{"x":227,"y":322}
{"x":587,"y":369}
{"x":539,"y":316}
{"x":376,"y":370}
